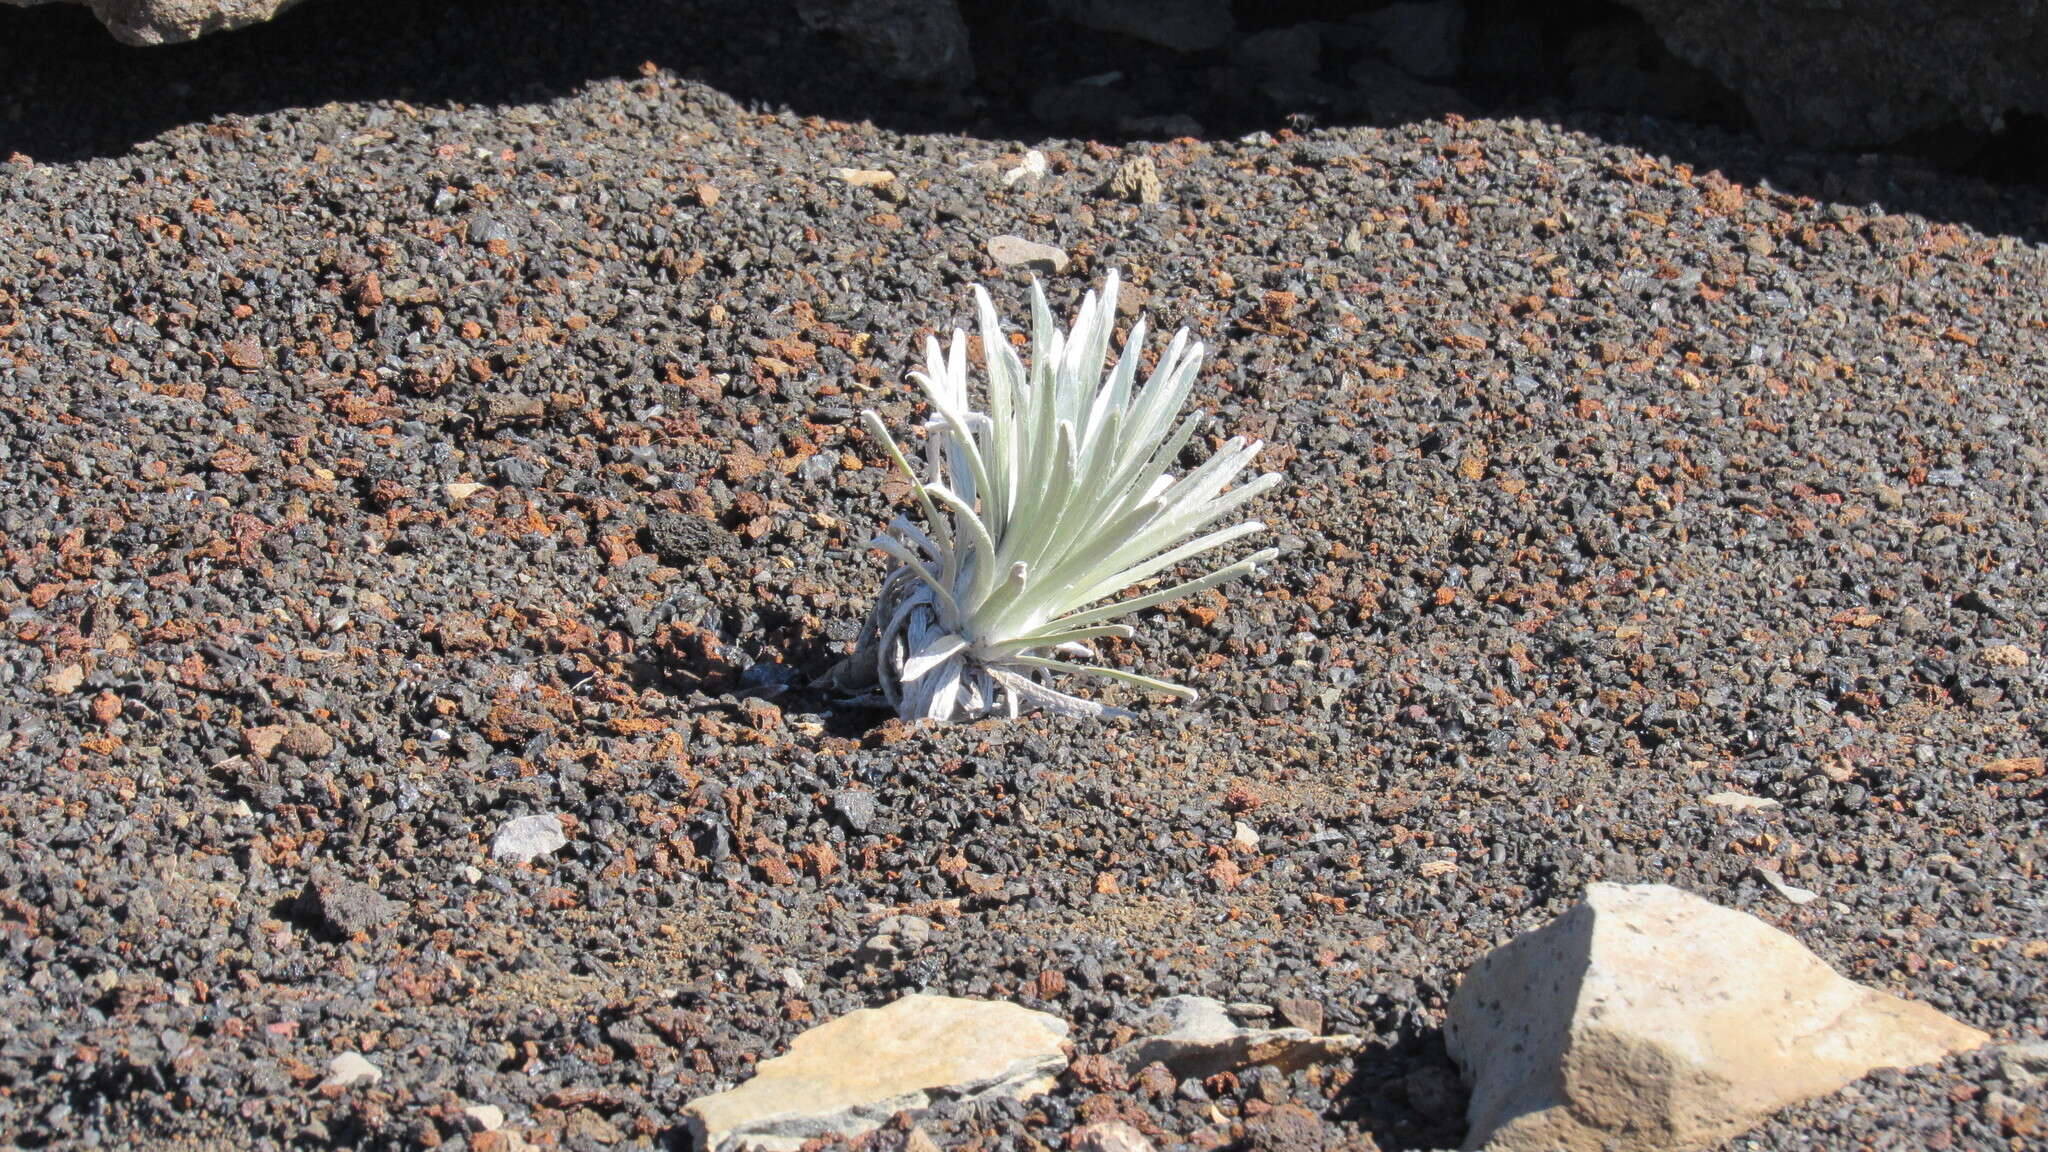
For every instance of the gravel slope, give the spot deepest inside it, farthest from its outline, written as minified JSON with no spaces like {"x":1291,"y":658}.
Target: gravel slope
{"x":379,"y":470}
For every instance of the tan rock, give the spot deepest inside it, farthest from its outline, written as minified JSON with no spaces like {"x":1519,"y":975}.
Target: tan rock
{"x":306,"y":740}
{"x":849,"y":1075}
{"x":64,"y":681}
{"x":1775,"y":880}
{"x":172,"y":21}
{"x":1108,"y":1136}
{"x":1017,"y":252}
{"x":262,"y":740}
{"x":1647,"y":1019}
{"x":2004,"y":656}
{"x":1742,"y":802}
{"x":349,"y":1069}
{"x":865,"y":177}
{"x":1195,"y":1036}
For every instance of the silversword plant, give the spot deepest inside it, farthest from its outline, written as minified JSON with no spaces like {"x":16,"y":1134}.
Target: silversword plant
{"x":1038,"y":512}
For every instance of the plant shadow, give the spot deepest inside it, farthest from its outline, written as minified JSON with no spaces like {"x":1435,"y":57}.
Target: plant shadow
{"x":776,"y":660}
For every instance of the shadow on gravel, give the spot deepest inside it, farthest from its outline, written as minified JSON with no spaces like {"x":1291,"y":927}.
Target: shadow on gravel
{"x":1406,"y":1094}
{"x":694,"y":665}
{"x":69,"y":92}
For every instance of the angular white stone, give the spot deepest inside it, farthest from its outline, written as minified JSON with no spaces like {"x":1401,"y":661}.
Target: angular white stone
{"x":849,"y":1075}
{"x":349,"y":1069}
{"x":1742,"y":802}
{"x":1033,"y":168}
{"x":1647,"y":1020}
{"x":528,"y":837}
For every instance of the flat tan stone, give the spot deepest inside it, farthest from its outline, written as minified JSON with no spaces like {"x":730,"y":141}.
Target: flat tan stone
{"x":1195,"y":1036}
{"x":1647,"y":1019}
{"x":1742,"y":802}
{"x":865,"y":177}
{"x":1017,"y":252}
{"x":849,"y":1075}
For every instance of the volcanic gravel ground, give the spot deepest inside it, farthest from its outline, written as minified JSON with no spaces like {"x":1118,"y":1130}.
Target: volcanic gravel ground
{"x":376,"y":473}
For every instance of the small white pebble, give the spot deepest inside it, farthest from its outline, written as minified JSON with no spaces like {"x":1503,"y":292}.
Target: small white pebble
{"x":1032,"y":168}
{"x":350,"y":1068}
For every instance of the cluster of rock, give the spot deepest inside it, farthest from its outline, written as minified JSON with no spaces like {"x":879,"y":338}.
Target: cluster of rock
{"x":851,"y":1075}
{"x":1645,"y":1019}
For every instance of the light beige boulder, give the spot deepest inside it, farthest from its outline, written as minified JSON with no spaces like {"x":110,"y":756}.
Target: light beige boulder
{"x":1647,"y":1019}
{"x":173,"y":21}
{"x":849,"y":1075}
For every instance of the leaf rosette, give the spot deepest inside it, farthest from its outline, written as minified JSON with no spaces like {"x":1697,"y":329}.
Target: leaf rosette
{"x":1039,"y":512}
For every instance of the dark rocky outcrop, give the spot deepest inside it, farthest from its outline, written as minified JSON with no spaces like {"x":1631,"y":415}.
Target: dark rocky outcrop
{"x":1927,"y":75}
{"x":1866,"y":73}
